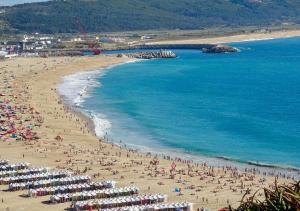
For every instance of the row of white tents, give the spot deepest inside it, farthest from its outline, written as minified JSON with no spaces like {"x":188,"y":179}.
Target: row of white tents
{"x":95,"y":194}
{"x":183,"y":206}
{"x":3,"y":162}
{"x":33,"y":177}
{"x":84,"y":194}
{"x":73,"y":188}
{"x":10,"y":167}
{"x":49,"y":183}
{"x":120,"y":202}
{"x":29,"y":171}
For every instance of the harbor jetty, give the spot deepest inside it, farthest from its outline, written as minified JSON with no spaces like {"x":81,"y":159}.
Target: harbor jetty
{"x":152,"y":55}
{"x":205,"y":48}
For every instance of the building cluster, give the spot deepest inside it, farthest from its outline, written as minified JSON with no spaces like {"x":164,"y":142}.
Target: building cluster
{"x":27,"y":46}
{"x":61,"y":45}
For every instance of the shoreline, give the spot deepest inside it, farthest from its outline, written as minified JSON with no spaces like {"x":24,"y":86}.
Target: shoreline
{"x":216,"y":161}
{"x":77,"y":109}
{"x":80,"y":151}
{"x":256,"y":36}
{"x":90,"y":124}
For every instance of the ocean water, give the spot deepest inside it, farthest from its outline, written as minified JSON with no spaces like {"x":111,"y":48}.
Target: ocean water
{"x":243,"y":106}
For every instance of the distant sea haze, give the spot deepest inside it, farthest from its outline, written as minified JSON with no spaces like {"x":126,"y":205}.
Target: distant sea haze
{"x":13,"y":2}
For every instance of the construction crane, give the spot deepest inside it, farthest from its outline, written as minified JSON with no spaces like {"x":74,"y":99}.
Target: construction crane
{"x":90,"y":44}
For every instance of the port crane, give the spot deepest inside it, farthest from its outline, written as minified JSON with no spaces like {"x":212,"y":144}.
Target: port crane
{"x":90,"y":44}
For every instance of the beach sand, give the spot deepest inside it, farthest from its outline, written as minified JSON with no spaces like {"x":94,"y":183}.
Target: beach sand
{"x":233,"y":38}
{"x":34,"y":82}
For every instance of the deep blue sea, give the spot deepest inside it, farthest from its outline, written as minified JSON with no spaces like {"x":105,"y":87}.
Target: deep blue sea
{"x":244,"y":106}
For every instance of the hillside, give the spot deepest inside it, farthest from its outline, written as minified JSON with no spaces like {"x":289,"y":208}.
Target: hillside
{"x":13,"y":2}
{"x":60,"y":16}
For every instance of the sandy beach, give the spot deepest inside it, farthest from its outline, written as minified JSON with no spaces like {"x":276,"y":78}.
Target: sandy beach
{"x":233,"y":38}
{"x":32,"y":83}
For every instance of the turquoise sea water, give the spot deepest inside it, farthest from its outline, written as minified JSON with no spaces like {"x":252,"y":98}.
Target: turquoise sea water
{"x":243,"y":106}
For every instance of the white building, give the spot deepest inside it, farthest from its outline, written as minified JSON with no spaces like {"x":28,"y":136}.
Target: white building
{"x":9,"y":56}
{"x":3,"y":53}
{"x":77,"y":39}
{"x":146,"y":37}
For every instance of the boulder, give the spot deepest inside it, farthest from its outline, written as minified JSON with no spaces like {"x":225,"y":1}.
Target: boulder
{"x":220,"y":49}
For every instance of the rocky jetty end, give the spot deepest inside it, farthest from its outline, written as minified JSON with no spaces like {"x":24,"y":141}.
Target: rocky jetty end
{"x":220,"y":49}
{"x":162,"y":54}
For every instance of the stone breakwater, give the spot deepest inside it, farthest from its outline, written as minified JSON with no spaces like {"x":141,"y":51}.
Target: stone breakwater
{"x":152,"y":55}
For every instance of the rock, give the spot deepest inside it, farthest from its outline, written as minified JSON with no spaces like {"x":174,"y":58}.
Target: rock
{"x":153,"y":55}
{"x":220,"y":49}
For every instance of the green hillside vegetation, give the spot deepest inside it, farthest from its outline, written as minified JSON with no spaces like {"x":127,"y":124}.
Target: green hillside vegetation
{"x":60,"y":16}
{"x":280,"y":198}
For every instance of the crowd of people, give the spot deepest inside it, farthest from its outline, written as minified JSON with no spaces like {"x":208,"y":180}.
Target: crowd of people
{"x":67,"y":143}
{"x":17,"y":120}
{"x":81,"y":191}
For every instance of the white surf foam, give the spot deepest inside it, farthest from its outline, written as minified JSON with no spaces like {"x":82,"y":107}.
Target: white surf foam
{"x":75,"y":88}
{"x":101,"y":123}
